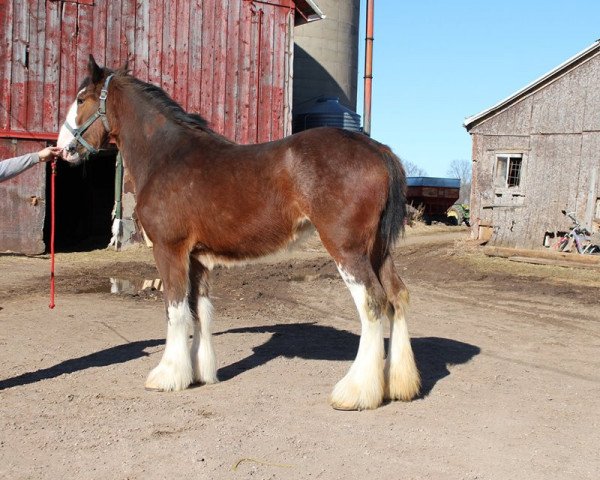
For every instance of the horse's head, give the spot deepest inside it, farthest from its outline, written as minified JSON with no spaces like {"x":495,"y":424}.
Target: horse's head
{"x":86,"y":128}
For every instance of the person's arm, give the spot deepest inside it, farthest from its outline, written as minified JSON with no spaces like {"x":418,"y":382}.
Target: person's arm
{"x":13,"y":166}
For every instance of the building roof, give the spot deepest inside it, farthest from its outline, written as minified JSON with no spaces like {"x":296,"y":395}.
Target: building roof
{"x":307,"y":11}
{"x":433,"y":182}
{"x":534,"y":86}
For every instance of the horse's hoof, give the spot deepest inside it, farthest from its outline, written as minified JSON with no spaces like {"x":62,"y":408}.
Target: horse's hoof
{"x":166,"y":378}
{"x":344,"y":408}
{"x":153,"y":389}
{"x":349,"y":397}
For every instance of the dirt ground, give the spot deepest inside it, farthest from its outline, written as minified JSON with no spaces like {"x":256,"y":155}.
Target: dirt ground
{"x":509,"y":355}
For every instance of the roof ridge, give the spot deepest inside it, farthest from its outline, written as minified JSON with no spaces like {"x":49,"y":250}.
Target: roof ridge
{"x":470,"y":121}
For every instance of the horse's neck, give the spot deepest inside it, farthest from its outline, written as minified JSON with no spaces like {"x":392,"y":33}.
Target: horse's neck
{"x":141,"y":138}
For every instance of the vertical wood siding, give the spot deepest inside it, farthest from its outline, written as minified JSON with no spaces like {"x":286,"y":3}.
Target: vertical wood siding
{"x":6,"y":22}
{"x":557,"y":129}
{"x":223,"y":59}
{"x":23,"y":202}
{"x":227,"y":60}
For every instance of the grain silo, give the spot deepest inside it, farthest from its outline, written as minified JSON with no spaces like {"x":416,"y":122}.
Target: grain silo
{"x":326,"y":61}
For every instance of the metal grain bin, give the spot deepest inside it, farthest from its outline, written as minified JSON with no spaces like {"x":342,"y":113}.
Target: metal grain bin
{"x":326,"y":112}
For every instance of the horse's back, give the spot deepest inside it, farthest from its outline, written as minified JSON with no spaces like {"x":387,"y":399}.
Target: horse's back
{"x":251,"y":199}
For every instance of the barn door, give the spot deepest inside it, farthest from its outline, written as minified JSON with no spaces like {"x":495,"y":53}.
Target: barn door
{"x":23,"y":202}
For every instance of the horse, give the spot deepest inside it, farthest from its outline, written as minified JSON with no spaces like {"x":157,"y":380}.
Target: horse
{"x":204,"y":200}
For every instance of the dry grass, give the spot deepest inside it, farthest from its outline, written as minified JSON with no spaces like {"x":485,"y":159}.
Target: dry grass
{"x":136,"y":253}
{"x":420,"y":228}
{"x":471,"y":253}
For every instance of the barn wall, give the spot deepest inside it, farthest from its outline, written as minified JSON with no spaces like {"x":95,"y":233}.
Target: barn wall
{"x":589,"y":178}
{"x":228,"y":60}
{"x":512,"y":121}
{"x":489,"y":207}
{"x":224,"y":59}
{"x":23,"y":202}
{"x":557,"y":130}
{"x":591,"y":119}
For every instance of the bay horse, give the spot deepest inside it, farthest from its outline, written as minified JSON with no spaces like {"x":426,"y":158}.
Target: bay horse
{"x":204,"y":201}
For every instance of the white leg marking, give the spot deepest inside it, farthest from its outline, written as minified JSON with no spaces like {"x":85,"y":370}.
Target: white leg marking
{"x":403,"y":381}
{"x":204,"y":361}
{"x":362,"y":387}
{"x":174,"y":372}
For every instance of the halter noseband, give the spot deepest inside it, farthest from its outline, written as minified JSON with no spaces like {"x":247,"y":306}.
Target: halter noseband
{"x":99,"y":114}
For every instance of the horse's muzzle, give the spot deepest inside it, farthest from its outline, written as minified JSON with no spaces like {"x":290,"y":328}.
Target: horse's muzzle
{"x":70,"y":153}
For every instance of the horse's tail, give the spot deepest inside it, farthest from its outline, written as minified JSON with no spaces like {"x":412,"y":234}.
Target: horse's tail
{"x":393,"y":216}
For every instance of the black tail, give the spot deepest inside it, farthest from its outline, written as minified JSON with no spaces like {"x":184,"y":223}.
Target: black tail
{"x":393,"y":216}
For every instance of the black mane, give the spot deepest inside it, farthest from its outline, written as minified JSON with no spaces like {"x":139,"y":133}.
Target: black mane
{"x":169,"y":107}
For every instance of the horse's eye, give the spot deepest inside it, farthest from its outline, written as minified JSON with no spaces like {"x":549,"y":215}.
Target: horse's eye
{"x":79,"y":101}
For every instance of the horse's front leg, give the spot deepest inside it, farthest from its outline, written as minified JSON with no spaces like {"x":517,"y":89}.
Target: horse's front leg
{"x":204,"y":363}
{"x":174,"y":372}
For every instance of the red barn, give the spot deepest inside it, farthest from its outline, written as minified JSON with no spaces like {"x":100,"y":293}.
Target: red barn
{"x":229,"y":60}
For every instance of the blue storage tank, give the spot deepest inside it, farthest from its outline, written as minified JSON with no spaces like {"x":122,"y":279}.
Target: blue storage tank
{"x":326,"y":112}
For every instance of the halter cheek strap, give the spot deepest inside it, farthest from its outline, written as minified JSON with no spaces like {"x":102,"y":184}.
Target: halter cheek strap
{"x":99,"y":114}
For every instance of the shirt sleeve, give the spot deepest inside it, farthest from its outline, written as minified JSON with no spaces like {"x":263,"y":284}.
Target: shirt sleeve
{"x":13,"y":166}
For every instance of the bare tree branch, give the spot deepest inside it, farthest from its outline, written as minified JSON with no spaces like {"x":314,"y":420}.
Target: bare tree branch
{"x":413,"y":170}
{"x":462,"y":169}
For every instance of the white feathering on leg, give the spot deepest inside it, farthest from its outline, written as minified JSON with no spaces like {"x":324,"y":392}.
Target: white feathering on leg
{"x":117,"y":233}
{"x":362,"y":387}
{"x":174,"y":372}
{"x":403,"y":381}
{"x":203,"y":354}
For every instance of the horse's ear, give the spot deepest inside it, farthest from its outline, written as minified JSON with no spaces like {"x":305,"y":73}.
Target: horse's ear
{"x":94,"y":70}
{"x":124,"y":70}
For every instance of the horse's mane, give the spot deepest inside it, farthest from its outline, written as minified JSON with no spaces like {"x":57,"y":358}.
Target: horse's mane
{"x":166,"y":105}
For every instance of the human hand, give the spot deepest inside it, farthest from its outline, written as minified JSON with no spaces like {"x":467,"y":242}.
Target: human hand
{"x":49,"y":153}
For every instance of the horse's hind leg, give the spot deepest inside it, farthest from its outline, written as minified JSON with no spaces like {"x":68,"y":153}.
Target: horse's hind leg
{"x":402,"y":380}
{"x":362,"y":387}
{"x":204,"y":363}
{"x":174,"y":372}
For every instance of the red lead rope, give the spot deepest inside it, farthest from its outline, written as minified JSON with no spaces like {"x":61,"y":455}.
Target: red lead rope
{"x":52,"y":221}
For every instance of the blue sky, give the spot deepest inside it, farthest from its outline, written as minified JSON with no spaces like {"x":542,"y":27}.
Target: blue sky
{"x":437,"y":62}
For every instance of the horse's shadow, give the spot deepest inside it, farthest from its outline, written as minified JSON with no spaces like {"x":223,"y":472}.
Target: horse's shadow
{"x":316,"y":342}
{"x":110,"y":356}
{"x":304,"y":340}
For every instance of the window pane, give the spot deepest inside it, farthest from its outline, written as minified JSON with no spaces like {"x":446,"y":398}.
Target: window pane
{"x":514,"y":172}
{"x":501,"y":169}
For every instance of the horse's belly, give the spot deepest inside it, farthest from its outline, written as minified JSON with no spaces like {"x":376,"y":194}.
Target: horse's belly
{"x":260,"y":254}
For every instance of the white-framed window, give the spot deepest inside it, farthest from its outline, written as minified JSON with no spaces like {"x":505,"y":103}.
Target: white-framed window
{"x":509,"y":169}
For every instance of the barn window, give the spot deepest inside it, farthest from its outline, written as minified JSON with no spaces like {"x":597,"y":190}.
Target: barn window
{"x":508,"y":170}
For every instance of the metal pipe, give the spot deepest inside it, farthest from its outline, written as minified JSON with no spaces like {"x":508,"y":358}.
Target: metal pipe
{"x":119,"y":186}
{"x":368,"y":68}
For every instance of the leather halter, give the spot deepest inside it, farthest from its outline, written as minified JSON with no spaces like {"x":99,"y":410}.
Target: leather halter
{"x":99,"y":114}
